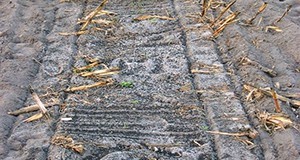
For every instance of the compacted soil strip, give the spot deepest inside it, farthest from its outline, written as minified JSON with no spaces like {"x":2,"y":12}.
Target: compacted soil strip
{"x":224,"y":110}
{"x":33,"y":54}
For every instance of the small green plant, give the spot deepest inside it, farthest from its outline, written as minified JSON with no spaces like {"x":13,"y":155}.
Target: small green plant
{"x":85,"y":70}
{"x":89,"y":70}
{"x":126,"y":84}
{"x":204,"y":128}
{"x":125,"y":126}
{"x":154,"y":20}
{"x":135,"y":101}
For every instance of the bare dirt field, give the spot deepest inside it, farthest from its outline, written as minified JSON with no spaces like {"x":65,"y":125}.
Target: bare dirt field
{"x":150,"y":79}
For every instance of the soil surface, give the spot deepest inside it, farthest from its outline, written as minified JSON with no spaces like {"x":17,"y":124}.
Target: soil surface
{"x":176,"y":83}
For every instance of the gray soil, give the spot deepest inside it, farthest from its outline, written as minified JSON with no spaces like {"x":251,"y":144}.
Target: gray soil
{"x":169,"y":108}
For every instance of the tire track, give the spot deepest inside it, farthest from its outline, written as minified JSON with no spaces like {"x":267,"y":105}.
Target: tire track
{"x":33,"y":36}
{"x":16,"y":65}
{"x":162,"y":115}
{"x":218,"y":99}
{"x":276,"y":51}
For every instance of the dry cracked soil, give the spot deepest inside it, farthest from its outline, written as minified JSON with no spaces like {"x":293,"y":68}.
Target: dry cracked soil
{"x":175,"y":83}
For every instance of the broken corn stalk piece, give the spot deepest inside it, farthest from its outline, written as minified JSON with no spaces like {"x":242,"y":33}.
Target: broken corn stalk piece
{"x":147,"y":17}
{"x":274,"y":28}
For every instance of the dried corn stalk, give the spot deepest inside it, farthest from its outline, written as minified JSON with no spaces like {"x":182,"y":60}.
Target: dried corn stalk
{"x":284,"y":14}
{"x":277,"y":106}
{"x":147,"y":17}
{"x":222,"y":12}
{"x":97,"y":21}
{"x":228,"y":20}
{"x":250,"y":133}
{"x":260,"y":10}
{"x":89,"y":18}
{"x":92,"y":65}
{"x":274,"y":28}
{"x":102,"y":72}
{"x":85,"y":87}
{"x":39,"y":103}
{"x":31,"y":108}
{"x":73,"y":33}
{"x":34,"y":117}
{"x":247,"y":61}
{"x":205,"y":6}
{"x":273,"y":122}
{"x":205,"y":69}
{"x":266,"y":91}
{"x":67,"y":142}
{"x":254,"y":93}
